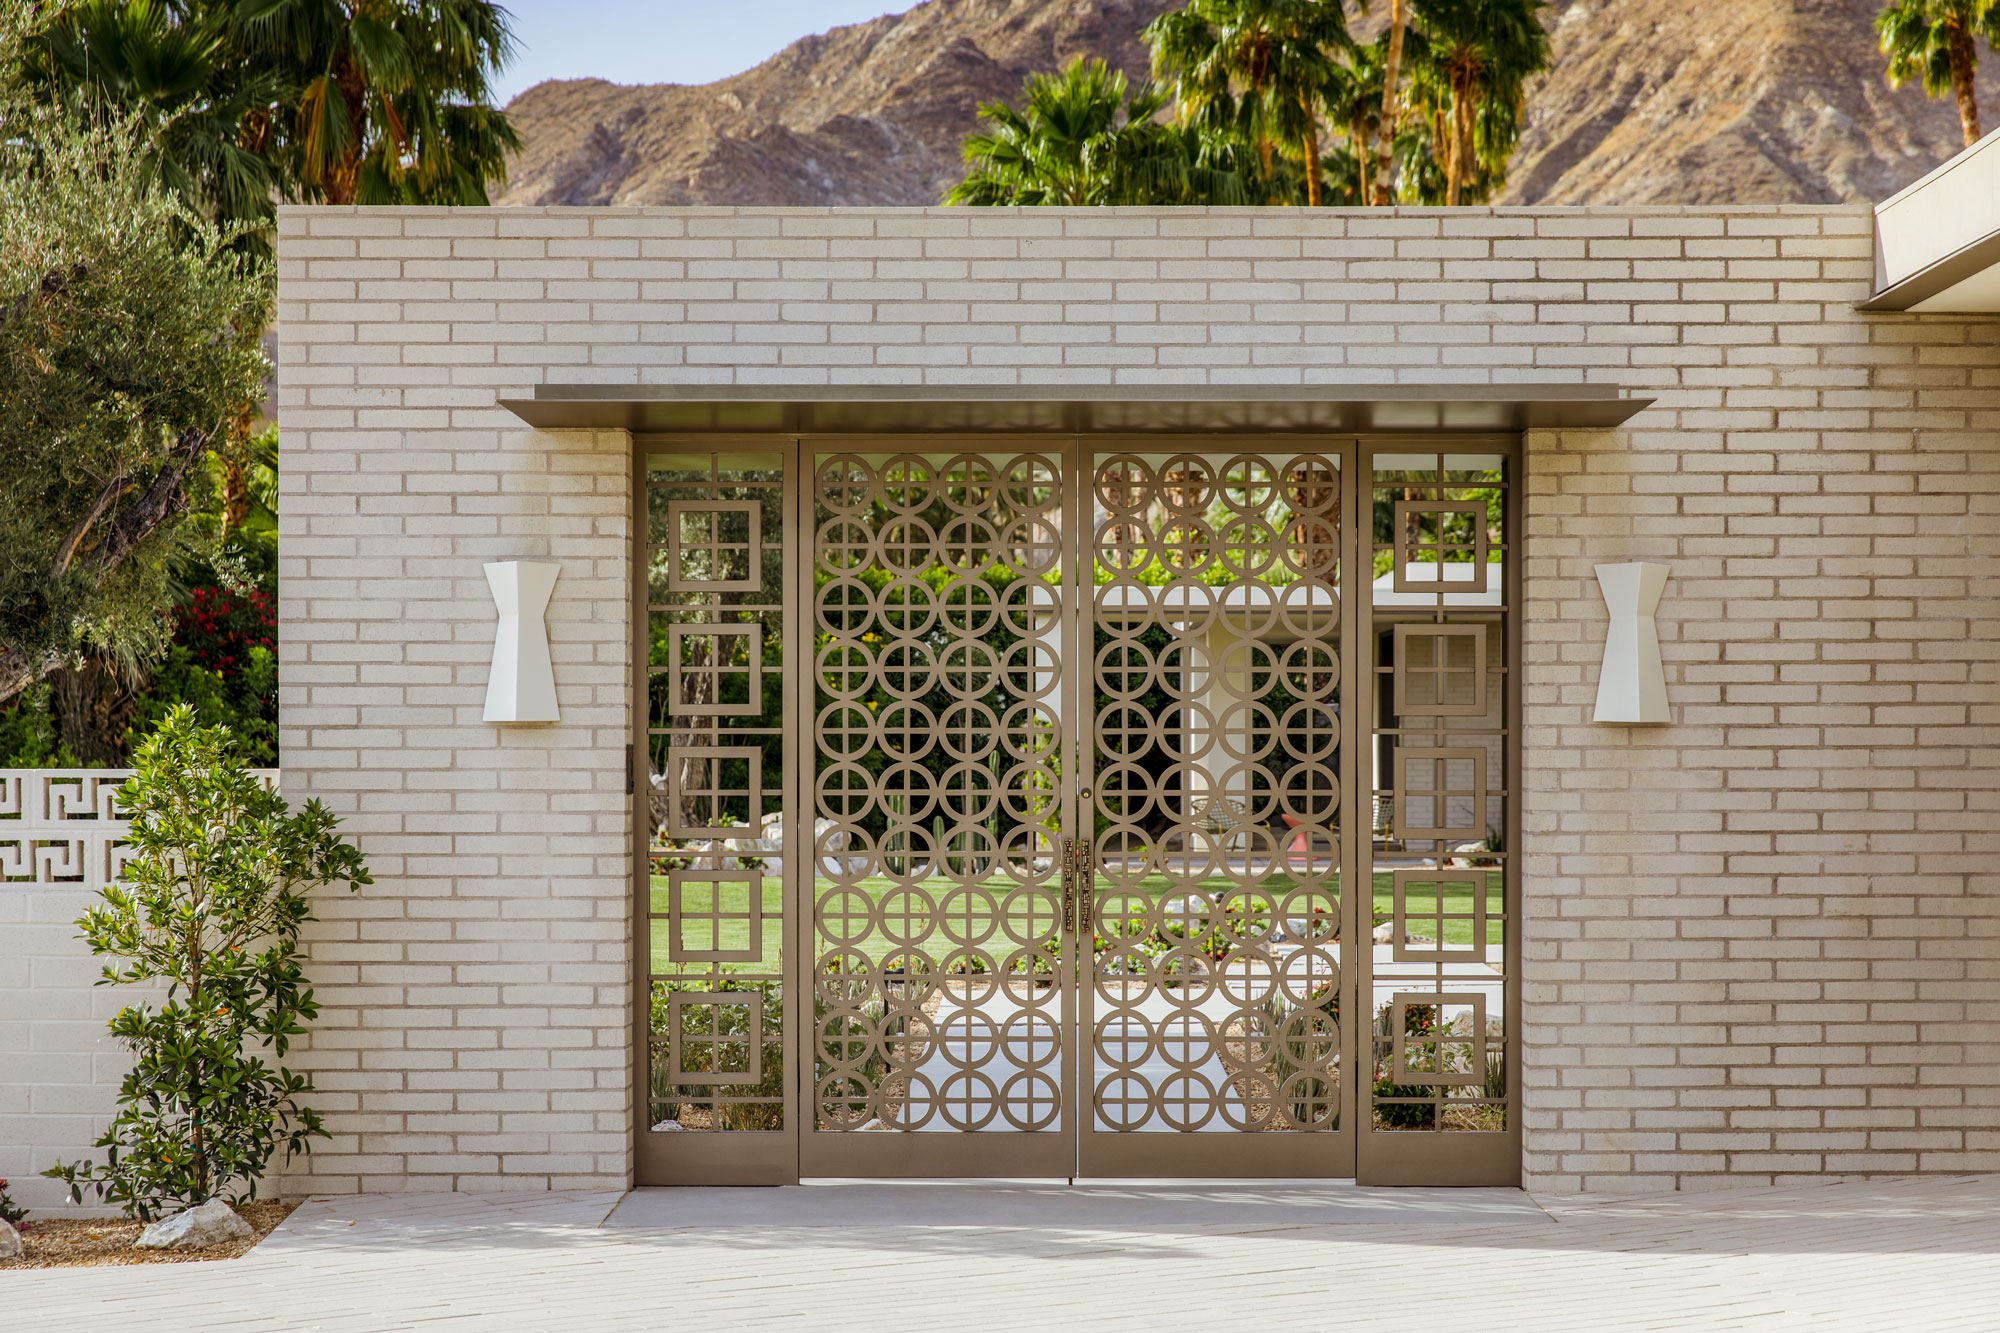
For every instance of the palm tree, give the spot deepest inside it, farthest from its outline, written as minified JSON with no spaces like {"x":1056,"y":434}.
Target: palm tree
{"x":1392,"y":70}
{"x":1080,"y":139}
{"x":1353,"y":106}
{"x":1477,"y":59}
{"x":202,"y":110}
{"x":393,"y":97}
{"x":1259,"y":68}
{"x":1935,"y":41}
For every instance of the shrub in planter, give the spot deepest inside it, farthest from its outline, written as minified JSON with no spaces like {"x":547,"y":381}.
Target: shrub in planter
{"x":13,"y":1214}
{"x":213,"y":900}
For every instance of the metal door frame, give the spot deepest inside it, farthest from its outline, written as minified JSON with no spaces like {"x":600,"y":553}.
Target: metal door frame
{"x":1433,"y":1157}
{"x":1357,"y":1149}
{"x":737,"y":1157}
{"x":1296,"y":1154}
{"x":889,"y":1155}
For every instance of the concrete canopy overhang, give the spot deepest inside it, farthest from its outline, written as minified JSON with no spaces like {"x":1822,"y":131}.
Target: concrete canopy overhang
{"x":1071,"y":409}
{"x":1937,"y":241}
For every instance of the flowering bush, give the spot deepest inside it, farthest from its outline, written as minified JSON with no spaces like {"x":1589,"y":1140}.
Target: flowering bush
{"x":219,"y":627}
{"x":223,"y":664}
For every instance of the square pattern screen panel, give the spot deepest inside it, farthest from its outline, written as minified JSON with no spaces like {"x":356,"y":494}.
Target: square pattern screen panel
{"x":717,"y":646}
{"x":1436,"y":985}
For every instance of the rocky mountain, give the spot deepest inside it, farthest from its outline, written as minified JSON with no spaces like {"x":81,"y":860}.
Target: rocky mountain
{"x":1725,"y":101}
{"x":1647,"y":101}
{"x":868,"y":114}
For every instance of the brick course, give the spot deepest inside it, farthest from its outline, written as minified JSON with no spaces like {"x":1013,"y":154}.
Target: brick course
{"x":1762,"y":942}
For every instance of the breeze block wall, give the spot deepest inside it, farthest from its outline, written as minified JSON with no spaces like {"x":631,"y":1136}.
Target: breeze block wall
{"x":1761,"y":941}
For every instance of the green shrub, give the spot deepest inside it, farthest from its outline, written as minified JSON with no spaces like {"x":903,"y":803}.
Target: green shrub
{"x":1419,"y":1020}
{"x":213,"y":901}
{"x":1404,"y":1115}
{"x":28,"y":735}
{"x":10,"y":1212}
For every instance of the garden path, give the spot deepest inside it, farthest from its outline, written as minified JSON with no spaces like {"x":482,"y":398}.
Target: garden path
{"x":1879,"y":1255}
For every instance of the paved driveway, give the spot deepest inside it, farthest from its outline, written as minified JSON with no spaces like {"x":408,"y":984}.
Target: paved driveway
{"x":1893,"y":1255}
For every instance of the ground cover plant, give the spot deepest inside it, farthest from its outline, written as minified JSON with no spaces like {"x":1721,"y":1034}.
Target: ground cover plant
{"x":212,"y":902}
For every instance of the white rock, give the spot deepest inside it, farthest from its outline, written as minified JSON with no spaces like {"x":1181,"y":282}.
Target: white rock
{"x":10,"y":1241}
{"x":198,"y":1228}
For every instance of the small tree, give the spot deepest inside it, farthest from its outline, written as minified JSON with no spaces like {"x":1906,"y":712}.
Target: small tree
{"x":213,"y":901}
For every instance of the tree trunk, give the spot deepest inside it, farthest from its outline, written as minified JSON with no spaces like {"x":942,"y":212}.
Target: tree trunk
{"x":656,"y":799}
{"x":1460,"y":150}
{"x":1468,"y":152}
{"x":18,"y":670}
{"x":1312,"y":164}
{"x":197,"y":1006}
{"x":235,"y":476}
{"x":93,"y":707}
{"x":1964,"y":60}
{"x":340,"y":182}
{"x":1385,"y":136}
{"x":697,"y":687}
{"x":235,"y":495}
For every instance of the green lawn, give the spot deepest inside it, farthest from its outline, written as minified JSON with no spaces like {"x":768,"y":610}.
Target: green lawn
{"x":731,"y":901}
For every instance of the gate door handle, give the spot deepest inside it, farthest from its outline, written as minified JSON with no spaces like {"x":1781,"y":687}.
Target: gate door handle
{"x":1086,"y":887}
{"x":1068,"y":882}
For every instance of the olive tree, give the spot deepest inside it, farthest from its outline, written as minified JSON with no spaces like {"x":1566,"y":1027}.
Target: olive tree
{"x":128,"y":338}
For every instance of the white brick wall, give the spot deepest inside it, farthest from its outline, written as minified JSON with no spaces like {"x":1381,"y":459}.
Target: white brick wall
{"x":1762,"y":941}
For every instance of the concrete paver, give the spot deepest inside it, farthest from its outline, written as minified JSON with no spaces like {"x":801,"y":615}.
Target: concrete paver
{"x":1872,"y":1255}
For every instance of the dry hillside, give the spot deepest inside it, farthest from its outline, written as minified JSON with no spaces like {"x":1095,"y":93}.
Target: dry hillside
{"x":868,"y":114}
{"x":1725,"y":101}
{"x":1649,"y":101}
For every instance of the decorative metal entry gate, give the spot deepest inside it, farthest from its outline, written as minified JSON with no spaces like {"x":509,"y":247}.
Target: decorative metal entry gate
{"x":1059,"y":807}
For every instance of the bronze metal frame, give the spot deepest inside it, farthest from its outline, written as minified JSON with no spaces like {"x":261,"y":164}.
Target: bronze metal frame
{"x":1388,"y":1155}
{"x":716,"y":1157}
{"x":1146,"y":1146}
{"x":1357,"y":1147}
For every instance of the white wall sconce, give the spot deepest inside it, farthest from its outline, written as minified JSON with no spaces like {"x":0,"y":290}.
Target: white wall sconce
{"x":1632,"y":684}
{"x":522,"y":687}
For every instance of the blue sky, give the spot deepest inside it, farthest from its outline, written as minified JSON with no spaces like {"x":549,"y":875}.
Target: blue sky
{"x":664,"y":41}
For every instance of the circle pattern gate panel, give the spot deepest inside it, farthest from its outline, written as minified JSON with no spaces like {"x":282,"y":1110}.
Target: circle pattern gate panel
{"x":1214,"y":969}
{"x":937,"y":926}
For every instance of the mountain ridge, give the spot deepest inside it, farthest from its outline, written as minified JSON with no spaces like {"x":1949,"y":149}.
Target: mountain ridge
{"x":1646,"y":102}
